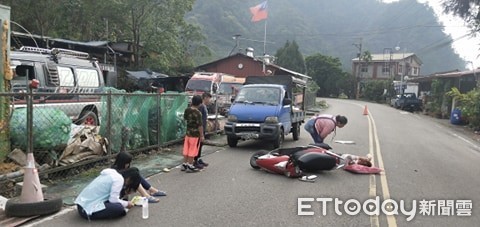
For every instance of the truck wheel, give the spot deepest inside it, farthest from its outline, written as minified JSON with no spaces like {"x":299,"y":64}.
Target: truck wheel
{"x":296,"y":131}
{"x":279,"y":140}
{"x":232,"y":141}
{"x":15,"y":208}
{"x":253,"y":159}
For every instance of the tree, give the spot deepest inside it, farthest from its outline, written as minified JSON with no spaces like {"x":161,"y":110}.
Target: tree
{"x":159,"y":27}
{"x":290,"y":57}
{"x":162,"y":39}
{"x":366,"y":57}
{"x":37,"y":17}
{"x":327,"y":72}
{"x":466,"y":9}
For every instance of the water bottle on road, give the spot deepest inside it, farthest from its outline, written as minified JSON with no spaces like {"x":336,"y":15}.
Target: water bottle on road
{"x":145,"y":208}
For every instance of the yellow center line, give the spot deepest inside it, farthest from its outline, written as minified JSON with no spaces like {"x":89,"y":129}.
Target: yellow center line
{"x":391,"y":220}
{"x":373,"y":183}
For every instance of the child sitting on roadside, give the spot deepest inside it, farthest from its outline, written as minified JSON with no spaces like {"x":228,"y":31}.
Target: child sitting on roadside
{"x":100,"y":199}
{"x":123,"y":161}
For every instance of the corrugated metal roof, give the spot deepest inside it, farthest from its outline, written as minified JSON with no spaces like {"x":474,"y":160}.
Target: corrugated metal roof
{"x":145,"y":74}
{"x":302,"y":76}
{"x":455,"y":74}
{"x":395,"y":57}
{"x":99,"y":43}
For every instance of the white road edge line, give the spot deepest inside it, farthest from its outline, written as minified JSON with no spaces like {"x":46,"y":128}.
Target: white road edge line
{"x":466,"y":141}
{"x":60,"y":213}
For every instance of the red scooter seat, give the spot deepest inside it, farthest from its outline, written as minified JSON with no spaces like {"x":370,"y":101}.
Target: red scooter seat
{"x":314,"y":161}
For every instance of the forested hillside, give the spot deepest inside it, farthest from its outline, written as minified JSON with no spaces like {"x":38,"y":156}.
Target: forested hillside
{"x":180,"y":34}
{"x":328,"y":27}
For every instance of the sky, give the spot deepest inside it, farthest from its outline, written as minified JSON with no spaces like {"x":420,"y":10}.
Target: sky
{"x":467,"y":48}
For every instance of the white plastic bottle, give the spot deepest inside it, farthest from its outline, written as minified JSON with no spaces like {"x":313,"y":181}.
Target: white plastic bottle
{"x":145,"y":208}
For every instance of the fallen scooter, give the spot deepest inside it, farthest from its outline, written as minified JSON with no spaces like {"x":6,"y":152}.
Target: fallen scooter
{"x":294,"y":162}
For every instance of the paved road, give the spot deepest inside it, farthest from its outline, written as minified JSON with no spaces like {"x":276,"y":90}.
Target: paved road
{"x":423,"y":160}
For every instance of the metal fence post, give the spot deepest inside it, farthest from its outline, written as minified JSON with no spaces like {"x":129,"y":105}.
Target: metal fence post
{"x":29,"y":120}
{"x":159,"y":120}
{"x":109,"y":122}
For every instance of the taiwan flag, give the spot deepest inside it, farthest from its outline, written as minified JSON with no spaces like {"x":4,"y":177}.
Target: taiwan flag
{"x":259,"y":12}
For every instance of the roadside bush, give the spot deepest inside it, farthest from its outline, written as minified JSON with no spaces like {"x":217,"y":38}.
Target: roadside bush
{"x":375,"y":90}
{"x":438,"y":100}
{"x":469,"y":104}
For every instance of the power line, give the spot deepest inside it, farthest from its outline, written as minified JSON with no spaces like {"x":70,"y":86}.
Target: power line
{"x":442,"y":43}
{"x":367,"y":32}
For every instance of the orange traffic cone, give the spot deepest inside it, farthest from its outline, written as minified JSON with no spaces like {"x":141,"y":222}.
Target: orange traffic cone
{"x":31,"y":189}
{"x":365,"y":110}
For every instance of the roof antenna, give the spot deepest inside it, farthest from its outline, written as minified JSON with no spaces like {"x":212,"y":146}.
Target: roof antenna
{"x":237,"y":42}
{"x":15,"y":23}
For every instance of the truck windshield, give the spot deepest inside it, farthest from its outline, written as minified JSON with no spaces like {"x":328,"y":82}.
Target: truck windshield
{"x":228,"y":88}
{"x":259,"y":95}
{"x":199,"y":85}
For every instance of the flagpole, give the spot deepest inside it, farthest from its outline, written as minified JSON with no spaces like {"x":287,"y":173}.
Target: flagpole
{"x":265,"y":39}
{"x":265,"y":42}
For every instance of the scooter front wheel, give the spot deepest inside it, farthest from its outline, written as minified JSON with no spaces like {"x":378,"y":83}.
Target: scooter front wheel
{"x":253,"y":159}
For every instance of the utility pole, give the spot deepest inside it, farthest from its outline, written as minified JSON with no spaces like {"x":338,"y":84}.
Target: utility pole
{"x":359,"y":55}
{"x":404,"y":69}
{"x":474,"y":74}
{"x":5,"y":76}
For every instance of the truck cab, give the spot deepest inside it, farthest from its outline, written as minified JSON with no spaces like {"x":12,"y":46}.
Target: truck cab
{"x":222,"y":87}
{"x":408,"y":101}
{"x":228,"y":90}
{"x":202,"y":82}
{"x":263,"y":110}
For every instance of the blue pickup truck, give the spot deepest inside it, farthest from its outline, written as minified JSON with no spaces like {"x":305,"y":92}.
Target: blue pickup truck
{"x":267,"y":108}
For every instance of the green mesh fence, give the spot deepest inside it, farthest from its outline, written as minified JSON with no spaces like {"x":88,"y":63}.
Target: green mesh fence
{"x":118,"y":113}
{"x":135,"y":119}
{"x":173,"y":125}
{"x":51,"y":128}
{"x":138,"y":121}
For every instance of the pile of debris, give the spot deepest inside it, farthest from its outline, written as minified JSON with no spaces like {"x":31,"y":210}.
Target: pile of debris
{"x":85,"y":143}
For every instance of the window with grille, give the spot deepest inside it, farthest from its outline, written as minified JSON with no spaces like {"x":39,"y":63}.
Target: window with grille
{"x":364,"y":69}
{"x":66,"y":77}
{"x":87,"y":78}
{"x":386,"y":69}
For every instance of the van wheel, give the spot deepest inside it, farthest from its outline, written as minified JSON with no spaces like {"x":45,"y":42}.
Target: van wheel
{"x":279,"y":140}
{"x":232,"y":141}
{"x":296,"y":131}
{"x":89,"y":118}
